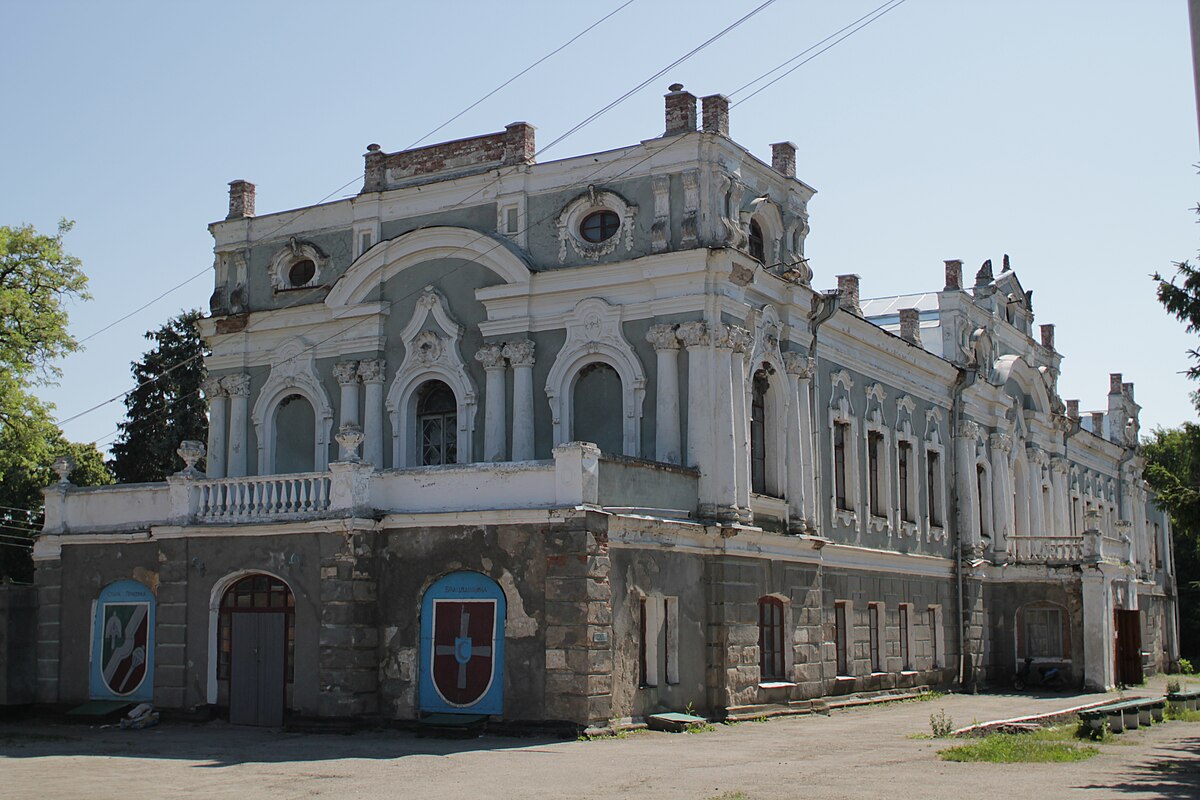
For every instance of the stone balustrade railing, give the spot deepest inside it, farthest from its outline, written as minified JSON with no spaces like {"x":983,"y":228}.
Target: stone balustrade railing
{"x":1045,"y":549}
{"x":264,"y":498}
{"x":576,"y":477}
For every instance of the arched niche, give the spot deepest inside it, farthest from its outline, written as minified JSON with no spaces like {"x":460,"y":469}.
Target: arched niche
{"x":292,"y":373}
{"x":391,"y":257}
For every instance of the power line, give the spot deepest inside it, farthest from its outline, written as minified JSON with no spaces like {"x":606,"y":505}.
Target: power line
{"x":894,"y":4}
{"x":832,"y":44}
{"x":572,"y":131}
{"x":527,"y":69}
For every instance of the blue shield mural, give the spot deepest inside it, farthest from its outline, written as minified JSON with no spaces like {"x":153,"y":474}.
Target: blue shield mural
{"x":122,"y":658}
{"x":462,"y":645}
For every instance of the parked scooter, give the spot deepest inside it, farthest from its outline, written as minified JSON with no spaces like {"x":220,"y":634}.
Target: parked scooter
{"x":1047,"y":675}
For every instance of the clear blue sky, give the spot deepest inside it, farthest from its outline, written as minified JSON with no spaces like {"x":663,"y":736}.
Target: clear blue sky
{"x":1062,"y":133}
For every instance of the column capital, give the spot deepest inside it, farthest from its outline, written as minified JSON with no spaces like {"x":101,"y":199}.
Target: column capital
{"x":491,"y":356}
{"x":520,"y":352}
{"x":236,"y":385}
{"x":663,"y":337}
{"x":346,"y":372}
{"x":1060,"y":464}
{"x":212,"y":388}
{"x":740,"y":339}
{"x":1001,"y":442}
{"x":799,"y":365}
{"x":967,"y":430}
{"x":372,"y":370}
{"x":693,"y":334}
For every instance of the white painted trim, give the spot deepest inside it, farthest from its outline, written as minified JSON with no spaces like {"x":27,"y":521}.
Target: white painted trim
{"x":594,"y":335}
{"x":389,"y":258}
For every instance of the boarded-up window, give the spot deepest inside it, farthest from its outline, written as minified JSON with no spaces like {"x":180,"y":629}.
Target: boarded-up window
{"x":758,"y":433}
{"x":933,"y":488}
{"x":597,"y":408}
{"x":905,"y":660}
{"x":904,"y":457}
{"x":875,"y":472}
{"x":875,"y":631}
{"x":1043,"y":633}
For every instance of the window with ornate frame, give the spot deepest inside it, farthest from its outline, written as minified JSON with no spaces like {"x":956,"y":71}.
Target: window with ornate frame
{"x":437,"y":424}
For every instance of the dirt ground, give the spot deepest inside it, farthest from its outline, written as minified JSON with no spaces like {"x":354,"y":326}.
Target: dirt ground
{"x":862,"y":753}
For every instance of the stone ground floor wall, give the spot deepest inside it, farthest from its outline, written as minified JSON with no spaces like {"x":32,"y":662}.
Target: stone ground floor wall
{"x":18,"y":638}
{"x":715,"y":639}
{"x":1156,"y":627}
{"x":1005,"y":603}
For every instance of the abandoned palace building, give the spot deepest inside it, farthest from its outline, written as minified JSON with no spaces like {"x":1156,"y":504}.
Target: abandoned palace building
{"x":579,"y":441}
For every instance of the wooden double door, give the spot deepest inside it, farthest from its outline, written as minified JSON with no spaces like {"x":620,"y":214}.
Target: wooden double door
{"x":258,"y":668}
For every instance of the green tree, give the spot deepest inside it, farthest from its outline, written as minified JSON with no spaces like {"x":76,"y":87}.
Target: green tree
{"x":1173,"y":470}
{"x":165,"y":406}
{"x":37,"y":281}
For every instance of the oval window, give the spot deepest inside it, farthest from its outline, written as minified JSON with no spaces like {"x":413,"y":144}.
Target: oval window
{"x":599,"y":226}
{"x":302,"y":272}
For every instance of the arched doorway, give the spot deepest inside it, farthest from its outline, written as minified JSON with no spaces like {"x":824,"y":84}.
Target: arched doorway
{"x":255,"y":648}
{"x":462,"y":645}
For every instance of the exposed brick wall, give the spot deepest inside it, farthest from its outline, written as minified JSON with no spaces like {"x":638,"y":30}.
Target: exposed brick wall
{"x":514,"y":145}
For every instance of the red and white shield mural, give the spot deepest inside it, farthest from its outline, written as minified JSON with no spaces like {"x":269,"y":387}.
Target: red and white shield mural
{"x":464,"y":649}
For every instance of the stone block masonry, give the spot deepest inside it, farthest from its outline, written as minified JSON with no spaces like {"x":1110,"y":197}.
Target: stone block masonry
{"x":348,"y":658}
{"x":513,"y":146}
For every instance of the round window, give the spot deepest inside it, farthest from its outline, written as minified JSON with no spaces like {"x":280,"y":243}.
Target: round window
{"x":302,"y":272}
{"x":599,"y":226}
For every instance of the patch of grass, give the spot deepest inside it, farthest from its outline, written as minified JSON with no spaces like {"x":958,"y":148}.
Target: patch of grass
{"x":1047,"y":745}
{"x":932,"y":694}
{"x":941,"y":723}
{"x":700,"y":727}
{"x":623,"y":733}
{"x":1180,"y":714}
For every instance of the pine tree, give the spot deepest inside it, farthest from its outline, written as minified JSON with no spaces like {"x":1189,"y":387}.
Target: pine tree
{"x":165,"y":407}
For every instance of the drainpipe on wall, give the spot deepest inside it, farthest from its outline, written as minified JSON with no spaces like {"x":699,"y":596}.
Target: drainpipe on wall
{"x":823,"y":308}
{"x":965,"y":379}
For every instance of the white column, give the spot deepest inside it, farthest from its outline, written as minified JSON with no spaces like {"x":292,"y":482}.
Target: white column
{"x":1098,"y":670}
{"x":694,"y":336}
{"x":801,"y":488}
{"x":495,"y":418}
{"x":725,"y":443}
{"x":1037,"y":519}
{"x":666,"y":404}
{"x":218,"y":408}
{"x":1002,"y":497}
{"x":520,"y":356}
{"x":742,"y":342}
{"x":346,"y":373}
{"x":238,"y":387}
{"x":968,"y":492}
{"x":1058,"y":497}
{"x":372,"y":372}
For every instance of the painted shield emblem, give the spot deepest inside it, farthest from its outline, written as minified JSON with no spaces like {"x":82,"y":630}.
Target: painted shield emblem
{"x":464,"y":647}
{"x":126,"y":632}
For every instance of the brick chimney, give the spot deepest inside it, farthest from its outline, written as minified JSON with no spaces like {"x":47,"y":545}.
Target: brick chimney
{"x":848,"y":292}
{"x":241,"y":199}
{"x":1127,"y":390}
{"x":681,"y":111}
{"x":953,"y":274}
{"x":910,"y":325}
{"x":716,"y":114}
{"x":374,"y":169}
{"x":518,"y":144}
{"x":1073,"y":409}
{"x":783,"y":158}
{"x":1114,"y":383}
{"x":1098,"y":423}
{"x":1047,"y":336}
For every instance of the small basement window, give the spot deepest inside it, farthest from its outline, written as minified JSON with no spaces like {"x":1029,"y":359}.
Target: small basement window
{"x":599,"y":226}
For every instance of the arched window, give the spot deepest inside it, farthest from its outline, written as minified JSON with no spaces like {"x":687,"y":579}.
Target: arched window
{"x":597,"y":404}
{"x":437,"y":424}
{"x":295,"y":435}
{"x":757,"y":248}
{"x":758,"y":432}
{"x":770,"y":638}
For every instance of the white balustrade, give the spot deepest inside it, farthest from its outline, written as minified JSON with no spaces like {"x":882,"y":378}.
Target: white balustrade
{"x":1046,"y":549}
{"x":267,"y":497}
